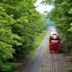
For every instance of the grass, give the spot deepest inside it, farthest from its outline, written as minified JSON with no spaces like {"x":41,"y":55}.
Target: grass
{"x":38,"y":40}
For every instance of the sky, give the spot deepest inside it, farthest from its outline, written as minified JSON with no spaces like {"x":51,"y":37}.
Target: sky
{"x":42,"y":8}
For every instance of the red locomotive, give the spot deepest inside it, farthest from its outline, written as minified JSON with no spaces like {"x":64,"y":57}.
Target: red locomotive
{"x":54,"y":43}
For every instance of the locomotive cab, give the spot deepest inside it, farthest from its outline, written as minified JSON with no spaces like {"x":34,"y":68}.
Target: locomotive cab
{"x":54,"y":43}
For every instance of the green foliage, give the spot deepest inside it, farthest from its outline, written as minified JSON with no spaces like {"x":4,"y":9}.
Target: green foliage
{"x":62,"y":16}
{"x":19,"y":24}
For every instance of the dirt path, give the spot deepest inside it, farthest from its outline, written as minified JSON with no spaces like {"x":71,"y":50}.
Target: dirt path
{"x":45,"y":62}
{"x":34,"y":64}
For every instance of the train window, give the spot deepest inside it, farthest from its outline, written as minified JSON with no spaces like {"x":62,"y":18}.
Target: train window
{"x":54,"y":41}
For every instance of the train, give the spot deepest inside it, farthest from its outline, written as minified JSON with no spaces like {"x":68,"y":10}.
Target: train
{"x":54,"y":42}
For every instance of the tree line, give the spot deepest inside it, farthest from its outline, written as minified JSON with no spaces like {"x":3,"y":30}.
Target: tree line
{"x":62,"y":17}
{"x":19,"y":24}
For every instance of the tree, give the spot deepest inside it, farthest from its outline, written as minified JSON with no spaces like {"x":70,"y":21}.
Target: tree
{"x":19,"y":24}
{"x":62,"y":16}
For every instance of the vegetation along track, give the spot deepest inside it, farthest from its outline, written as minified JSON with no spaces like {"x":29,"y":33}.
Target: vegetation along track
{"x":44,"y":61}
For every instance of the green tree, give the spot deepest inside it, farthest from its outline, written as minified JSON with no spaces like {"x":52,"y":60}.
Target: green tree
{"x":62,"y":16}
{"x":19,"y":24}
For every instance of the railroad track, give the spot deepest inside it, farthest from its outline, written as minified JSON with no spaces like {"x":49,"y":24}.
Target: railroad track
{"x":53,"y":63}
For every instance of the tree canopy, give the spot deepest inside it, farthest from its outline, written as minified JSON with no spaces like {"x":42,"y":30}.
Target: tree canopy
{"x":62,"y":16}
{"x":19,"y":24}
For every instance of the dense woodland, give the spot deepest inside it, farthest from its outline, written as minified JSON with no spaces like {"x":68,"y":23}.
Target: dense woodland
{"x":19,"y":24}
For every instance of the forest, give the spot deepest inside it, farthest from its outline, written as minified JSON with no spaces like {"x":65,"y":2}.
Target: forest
{"x":61,"y":15}
{"x":20,"y":23}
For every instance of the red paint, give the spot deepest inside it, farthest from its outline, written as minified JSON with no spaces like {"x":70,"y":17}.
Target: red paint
{"x":54,"y":43}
